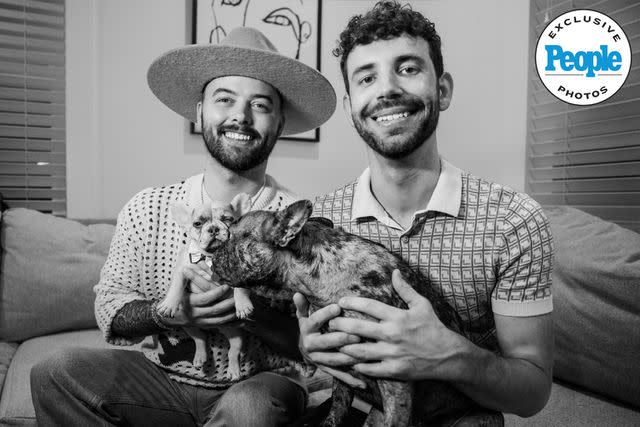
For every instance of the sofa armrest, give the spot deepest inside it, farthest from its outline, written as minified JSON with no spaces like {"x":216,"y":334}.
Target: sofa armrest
{"x":596,"y":292}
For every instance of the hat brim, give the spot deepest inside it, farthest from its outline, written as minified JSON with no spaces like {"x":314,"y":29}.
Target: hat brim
{"x":178,"y":77}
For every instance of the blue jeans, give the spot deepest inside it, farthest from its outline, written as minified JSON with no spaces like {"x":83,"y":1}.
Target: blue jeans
{"x":98,"y":387}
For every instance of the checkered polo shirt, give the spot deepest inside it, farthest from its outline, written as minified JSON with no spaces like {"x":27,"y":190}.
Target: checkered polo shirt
{"x":141,"y":261}
{"x":485,"y":247}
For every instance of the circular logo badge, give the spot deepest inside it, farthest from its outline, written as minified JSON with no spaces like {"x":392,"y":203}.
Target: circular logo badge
{"x":583,"y":57}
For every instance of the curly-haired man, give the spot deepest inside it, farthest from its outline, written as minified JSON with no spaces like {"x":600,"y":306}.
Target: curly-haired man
{"x":486,"y":248}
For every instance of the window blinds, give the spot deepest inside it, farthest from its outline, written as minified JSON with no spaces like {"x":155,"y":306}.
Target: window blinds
{"x":32,"y":104}
{"x":586,"y":156}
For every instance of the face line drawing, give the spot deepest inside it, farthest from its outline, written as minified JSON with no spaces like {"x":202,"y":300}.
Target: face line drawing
{"x":283,"y":17}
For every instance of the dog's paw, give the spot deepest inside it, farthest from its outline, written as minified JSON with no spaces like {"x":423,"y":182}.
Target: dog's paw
{"x":233,"y":369}
{"x":167,"y":309}
{"x":198,"y":362}
{"x":234,"y":372}
{"x":244,"y":311}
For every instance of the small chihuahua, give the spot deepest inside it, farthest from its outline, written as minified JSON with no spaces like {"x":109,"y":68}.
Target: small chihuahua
{"x":207,"y":228}
{"x":289,"y":251}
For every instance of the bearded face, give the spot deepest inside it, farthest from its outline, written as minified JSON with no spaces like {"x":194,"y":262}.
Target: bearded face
{"x":241,"y":121}
{"x":236,"y":147}
{"x":394,"y":94}
{"x":399,"y":139}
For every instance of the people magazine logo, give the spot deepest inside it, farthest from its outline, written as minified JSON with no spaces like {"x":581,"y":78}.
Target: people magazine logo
{"x":583,"y":57}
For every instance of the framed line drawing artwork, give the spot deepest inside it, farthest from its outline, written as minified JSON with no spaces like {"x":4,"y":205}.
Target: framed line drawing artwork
{"x":293,"y":26}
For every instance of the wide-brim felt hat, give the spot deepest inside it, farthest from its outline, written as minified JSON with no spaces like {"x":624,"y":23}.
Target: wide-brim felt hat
{"x":179,"y":76}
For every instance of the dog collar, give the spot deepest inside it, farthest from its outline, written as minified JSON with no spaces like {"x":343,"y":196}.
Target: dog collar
{"x":196,"y":257}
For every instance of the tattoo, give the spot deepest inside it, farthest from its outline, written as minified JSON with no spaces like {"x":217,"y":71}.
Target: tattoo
{"x":137,"y":319}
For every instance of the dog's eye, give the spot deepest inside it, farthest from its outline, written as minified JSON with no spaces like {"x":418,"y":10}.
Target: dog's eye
{"x":197,"y":224}
{"x":228,"y":218}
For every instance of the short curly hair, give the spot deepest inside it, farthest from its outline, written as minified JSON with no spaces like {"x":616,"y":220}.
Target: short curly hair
{"x":388,"y":19}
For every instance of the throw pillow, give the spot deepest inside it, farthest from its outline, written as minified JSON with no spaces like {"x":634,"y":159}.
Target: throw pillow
{"x":49,"y":267}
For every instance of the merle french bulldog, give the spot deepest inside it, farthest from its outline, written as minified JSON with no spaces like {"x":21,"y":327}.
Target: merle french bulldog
{"x":286,"y":251}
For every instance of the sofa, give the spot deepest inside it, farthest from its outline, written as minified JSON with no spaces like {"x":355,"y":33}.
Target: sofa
{"x":49,"y":266}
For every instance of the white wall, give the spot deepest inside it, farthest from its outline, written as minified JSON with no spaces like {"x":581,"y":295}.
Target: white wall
{"x":121,"y":139}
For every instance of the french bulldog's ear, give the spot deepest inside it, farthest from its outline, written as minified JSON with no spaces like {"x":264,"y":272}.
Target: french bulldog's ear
{"x":291,"y":220}
{"x":182,"y":213}
{"x":241,"y":204}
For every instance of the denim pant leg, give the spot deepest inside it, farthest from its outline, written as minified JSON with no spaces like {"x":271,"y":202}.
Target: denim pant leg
{"x":104,"y":387}
{"x":264,"y":400}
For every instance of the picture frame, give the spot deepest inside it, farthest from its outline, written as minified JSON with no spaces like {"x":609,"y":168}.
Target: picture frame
{"x":293,"y":26}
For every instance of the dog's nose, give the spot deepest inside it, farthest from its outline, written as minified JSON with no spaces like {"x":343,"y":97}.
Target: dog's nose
{"x":223,"y":234}
{"x":218,"y":228}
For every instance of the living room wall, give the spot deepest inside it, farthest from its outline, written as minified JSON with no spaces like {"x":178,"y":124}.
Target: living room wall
{"x":121,"y":139}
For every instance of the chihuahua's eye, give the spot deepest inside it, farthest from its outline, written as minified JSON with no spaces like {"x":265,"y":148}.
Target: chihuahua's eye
{"x":228,"y":218}
{"x":197,"y":224}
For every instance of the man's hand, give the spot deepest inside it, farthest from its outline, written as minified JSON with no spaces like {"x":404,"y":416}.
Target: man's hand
{"x":207,"y":305}
{"x":321,"y":348}
{"x":413,"y":344}
{"x":410,"y":344}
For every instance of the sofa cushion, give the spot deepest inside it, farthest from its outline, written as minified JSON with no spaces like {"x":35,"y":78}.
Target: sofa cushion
{"x":15,"y":404}
{"x":596,"y":288}
{"x":7,"y":350}
{"x":570,"y":407}
{"x":49,"y":267}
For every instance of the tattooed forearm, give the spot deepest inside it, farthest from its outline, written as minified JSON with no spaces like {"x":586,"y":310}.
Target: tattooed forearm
{"x":137,"y":319}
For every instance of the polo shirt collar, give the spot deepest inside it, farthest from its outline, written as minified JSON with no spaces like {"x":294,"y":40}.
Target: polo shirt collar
{"x":446,"y":197}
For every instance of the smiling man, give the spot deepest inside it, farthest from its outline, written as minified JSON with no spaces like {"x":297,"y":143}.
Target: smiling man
{"x":485,"y":248}
{"x":245,"y":94}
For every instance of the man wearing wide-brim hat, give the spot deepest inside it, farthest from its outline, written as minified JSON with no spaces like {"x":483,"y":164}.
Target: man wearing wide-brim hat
{"x":245,"y":95}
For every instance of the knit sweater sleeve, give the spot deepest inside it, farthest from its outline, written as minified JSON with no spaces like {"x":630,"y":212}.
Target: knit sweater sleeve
{"x":120,"y":276}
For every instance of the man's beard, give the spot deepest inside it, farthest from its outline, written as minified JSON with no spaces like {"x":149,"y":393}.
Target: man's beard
{"x":237,"y":158}
{"x":400,"y":147}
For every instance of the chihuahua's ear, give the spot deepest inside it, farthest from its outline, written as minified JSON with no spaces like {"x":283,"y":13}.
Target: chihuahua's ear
{"x":241,"y":204}
{"x":290,"y":221}
{"x":182,"y":213}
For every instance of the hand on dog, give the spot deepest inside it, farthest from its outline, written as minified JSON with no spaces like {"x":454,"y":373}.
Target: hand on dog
{"x":410,"y":344}
{"x":322,"y":348}
{"x":207,"y":305}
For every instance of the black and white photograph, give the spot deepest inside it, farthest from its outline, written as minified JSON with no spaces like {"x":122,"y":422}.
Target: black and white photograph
{"x":351,"y":213}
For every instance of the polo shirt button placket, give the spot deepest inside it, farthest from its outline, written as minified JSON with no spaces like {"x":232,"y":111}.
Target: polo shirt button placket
{"x":414,"y":227}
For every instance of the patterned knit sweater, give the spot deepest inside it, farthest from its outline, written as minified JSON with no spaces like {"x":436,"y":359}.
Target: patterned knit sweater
{"x":142,"y":258}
